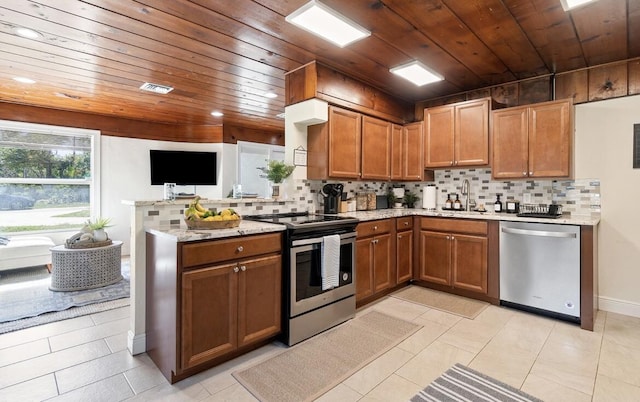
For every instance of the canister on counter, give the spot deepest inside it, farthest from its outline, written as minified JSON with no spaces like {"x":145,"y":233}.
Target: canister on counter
{"x":361,"y":201}
{"x":371,"y":200}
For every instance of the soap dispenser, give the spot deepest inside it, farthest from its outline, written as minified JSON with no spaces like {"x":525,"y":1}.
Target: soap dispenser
{"x":497,"y":206}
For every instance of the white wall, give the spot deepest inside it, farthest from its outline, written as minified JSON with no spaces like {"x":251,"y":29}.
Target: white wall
{"x":604,"y":138}
{"x":125,"y":175}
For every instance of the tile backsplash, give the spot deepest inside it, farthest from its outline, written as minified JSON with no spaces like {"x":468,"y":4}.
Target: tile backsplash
{"x":578,"y":197}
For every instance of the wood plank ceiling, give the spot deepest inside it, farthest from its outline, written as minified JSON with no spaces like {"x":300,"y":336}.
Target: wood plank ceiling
{"x":93,"y":55}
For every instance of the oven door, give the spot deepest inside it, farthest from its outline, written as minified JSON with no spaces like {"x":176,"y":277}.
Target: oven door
{"x":306,"y":292}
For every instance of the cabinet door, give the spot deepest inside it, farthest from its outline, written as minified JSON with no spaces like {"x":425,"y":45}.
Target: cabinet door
{"x":344,"y":143}
{"x":259,"y":298}
{"x":472,"y":134}
{"x":397,"y":159}
{"x":439,"y":130}
{"x":209,"y":314}
{"x":382,"y":263}
{"x":404,"y":256}
{"x":550,"y":140}
{"x":376,"y":148}
{"x":364,"y":268}
{"x":413,"y":166}
{"x":435,"y":257}
{"x":469,"y":264}
{"x":510,"y":144}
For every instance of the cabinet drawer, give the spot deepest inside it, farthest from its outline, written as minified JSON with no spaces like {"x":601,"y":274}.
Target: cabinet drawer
{"x":214,"y":251}
{"x":404,"y":223}
{"x":454,"y":225}
{"x":373,"y":228}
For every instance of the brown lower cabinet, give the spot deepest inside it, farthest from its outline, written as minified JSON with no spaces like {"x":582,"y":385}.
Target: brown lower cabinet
{"x":404,"y":249}
{"x":374,"y":263}
{"x":209,"y":301}
{"x":454,"y":253}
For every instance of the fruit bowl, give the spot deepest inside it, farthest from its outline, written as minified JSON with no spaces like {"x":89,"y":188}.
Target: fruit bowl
{"x":202,"y":224}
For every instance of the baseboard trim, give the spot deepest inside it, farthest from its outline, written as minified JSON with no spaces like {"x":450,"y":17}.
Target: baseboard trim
{"x":136,"y":343}
{"x":619,"y":306}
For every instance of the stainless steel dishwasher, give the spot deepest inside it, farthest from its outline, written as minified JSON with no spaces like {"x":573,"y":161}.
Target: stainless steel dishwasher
{"x":540,"y":268}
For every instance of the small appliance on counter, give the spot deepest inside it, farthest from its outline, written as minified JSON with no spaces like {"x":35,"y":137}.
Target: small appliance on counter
{"x":540,"y":211}
{"x":332,"y":194}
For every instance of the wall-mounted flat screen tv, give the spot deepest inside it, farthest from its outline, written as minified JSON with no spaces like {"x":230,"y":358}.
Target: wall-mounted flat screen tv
{"x":183,"y":167}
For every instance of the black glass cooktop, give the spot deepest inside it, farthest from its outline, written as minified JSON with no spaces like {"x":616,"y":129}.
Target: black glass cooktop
{"x":298,"y":219}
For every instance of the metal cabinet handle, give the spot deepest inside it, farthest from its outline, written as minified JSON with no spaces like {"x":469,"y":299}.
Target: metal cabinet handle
{"x":243,"y":268}
{"x":453,"y":238}
{"x":406,"y":223}
{"x":542,"y":233}
{"x":236,"y":270}
{"x":530,"y":173}
{"x":375,"y":228}
{"x":240,"y":249}
{"x":524,"y":173}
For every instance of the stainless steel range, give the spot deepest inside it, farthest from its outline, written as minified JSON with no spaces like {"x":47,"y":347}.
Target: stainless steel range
{"x":309,"y":307}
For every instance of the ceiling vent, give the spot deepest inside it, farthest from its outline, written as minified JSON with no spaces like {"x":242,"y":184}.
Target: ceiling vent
{"x":156,"y":88}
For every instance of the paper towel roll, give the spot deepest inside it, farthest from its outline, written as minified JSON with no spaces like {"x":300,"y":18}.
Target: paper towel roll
{"x":429,"y":197}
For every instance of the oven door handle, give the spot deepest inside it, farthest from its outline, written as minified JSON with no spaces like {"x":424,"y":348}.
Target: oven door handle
{"x":302,"y":242}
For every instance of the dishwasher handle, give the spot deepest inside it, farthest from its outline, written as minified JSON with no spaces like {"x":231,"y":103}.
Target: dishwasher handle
{"x":542,"y":233}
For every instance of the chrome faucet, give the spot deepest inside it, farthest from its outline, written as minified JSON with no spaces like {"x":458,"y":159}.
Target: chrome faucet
{"x":466,"y":191}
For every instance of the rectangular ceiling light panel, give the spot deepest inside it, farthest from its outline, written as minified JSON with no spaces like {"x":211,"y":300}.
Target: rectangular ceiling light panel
{"x":571,"y":4}
{"x":417,"y":73}
{"x":320,"y":20}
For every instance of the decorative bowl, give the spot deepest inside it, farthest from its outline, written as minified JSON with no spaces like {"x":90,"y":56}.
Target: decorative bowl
{"x":208,"y":225}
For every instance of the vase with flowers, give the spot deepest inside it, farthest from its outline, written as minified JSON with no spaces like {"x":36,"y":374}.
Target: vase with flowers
{"x":276,"y":171}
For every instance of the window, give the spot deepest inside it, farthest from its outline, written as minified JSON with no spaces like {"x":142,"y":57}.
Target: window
{"x":49,"y":177}
{"x":252,"y":156}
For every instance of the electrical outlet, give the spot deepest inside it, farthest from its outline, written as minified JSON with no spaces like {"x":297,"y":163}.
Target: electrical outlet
{"x":526,"y":198}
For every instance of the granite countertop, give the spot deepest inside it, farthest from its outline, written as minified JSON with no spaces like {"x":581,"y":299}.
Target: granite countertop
{"x":204,"y":201}
{"x":182,"y":234}
{"x":394,"y":213}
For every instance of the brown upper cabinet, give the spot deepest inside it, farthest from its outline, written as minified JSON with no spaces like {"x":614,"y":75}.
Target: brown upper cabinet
{"x":351,"y":145}
{"x":376,"y":149}
{"x":334,"y":147}
{"x":457,"y":135}
{"x":406,"y":152}
{"x":533,"y":141}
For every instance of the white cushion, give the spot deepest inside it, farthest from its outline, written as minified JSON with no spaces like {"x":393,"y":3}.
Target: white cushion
{"x":25,"y":251}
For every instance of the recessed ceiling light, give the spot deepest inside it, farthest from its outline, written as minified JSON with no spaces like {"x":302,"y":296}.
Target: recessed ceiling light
{"x":24,"y":80}
{"x":156,"y":88}
{"x":217,"y":114}
{"x":27,"y":33}
{"x":571,"y":4}
{"x":321,"y":20}
{"x":270,"y":95}
{"x":417,"y":73}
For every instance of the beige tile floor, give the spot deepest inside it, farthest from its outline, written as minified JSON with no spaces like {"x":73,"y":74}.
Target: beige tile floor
{"x":85,"y":359}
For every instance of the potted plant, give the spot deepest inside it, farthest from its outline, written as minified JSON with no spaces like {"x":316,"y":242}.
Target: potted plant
{"x":410,"y":199}
{"x":97,"y":226}
{"x":392,"y":200}
{"x":276,"y":171}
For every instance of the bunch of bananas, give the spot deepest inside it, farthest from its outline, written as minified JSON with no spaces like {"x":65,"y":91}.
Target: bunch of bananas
{"x":196,"y":211}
